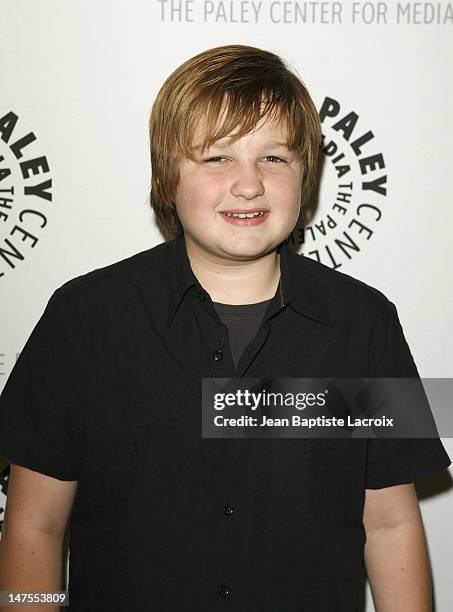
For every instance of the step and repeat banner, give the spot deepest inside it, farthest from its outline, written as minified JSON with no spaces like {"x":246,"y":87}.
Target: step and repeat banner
{"x":78,"y":82}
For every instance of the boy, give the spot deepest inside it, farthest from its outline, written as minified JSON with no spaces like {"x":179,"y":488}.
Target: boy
{"x":100,"y":417}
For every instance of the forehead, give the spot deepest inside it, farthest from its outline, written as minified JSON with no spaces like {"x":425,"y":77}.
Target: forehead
{"x":271,"y":131}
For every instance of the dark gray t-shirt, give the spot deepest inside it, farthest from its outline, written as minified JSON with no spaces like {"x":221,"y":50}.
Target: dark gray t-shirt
{"x":243,"y":321}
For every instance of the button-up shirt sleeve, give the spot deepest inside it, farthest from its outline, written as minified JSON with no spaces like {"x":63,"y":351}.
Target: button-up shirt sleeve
{"x":397,"y":461}
{"x":41,"y":404}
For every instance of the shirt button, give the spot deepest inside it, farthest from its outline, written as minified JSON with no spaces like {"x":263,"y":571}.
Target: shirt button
{"x":228,"y":510}
{"x":201,"y":296}
{"x":217,"y":355}
{"x":223,"y":590}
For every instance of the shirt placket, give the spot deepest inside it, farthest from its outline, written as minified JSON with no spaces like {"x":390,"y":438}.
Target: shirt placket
{"x":229,"y":479}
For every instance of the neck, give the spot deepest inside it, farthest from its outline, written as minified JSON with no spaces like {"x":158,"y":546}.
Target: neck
{"x":235,"y":281}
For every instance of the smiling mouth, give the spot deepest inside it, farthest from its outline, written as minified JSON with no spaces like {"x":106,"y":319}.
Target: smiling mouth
{"x":250,"y":215}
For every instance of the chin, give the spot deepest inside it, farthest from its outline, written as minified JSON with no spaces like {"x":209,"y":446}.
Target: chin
{"x":244,"y":248}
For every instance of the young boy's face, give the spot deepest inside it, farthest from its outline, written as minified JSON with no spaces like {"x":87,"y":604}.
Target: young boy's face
{"x":252,"y":174}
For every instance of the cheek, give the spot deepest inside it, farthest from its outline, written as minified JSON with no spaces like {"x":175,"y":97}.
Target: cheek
{"x":286,"y":191}
{"x":199,"y":194}
{"x":208,"y":188}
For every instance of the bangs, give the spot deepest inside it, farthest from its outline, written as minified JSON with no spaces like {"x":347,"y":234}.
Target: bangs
{"x":237,"y":113}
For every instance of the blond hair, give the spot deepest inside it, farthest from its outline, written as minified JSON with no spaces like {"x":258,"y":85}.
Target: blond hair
{"x":242,"y":84}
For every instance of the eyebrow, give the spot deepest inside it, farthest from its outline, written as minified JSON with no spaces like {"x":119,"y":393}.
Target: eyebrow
{"x":272,"y":143}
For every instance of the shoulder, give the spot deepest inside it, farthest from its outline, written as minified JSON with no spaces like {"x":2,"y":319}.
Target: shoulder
{"x":362,"y":314}
{"x":142,"y":271}
{"x":145,"y":264}
{"x":344,"y":297}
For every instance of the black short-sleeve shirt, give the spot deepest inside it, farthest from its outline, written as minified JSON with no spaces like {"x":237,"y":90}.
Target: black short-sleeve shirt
{"x":107,"y":391}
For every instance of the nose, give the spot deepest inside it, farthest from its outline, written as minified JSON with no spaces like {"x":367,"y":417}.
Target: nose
{"x":247,"y":182}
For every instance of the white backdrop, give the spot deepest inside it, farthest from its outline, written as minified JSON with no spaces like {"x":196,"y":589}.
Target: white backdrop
{"x":82,"y":76}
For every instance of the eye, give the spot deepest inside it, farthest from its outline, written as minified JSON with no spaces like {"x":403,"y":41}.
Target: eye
{"x":211,"y":159}
{"x":275,"y":157}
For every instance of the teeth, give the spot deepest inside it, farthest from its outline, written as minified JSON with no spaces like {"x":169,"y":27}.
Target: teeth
{"x":245,"y":215}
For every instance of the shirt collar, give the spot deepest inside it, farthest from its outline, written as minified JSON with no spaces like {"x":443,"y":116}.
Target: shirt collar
{"x":300,"y":285}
